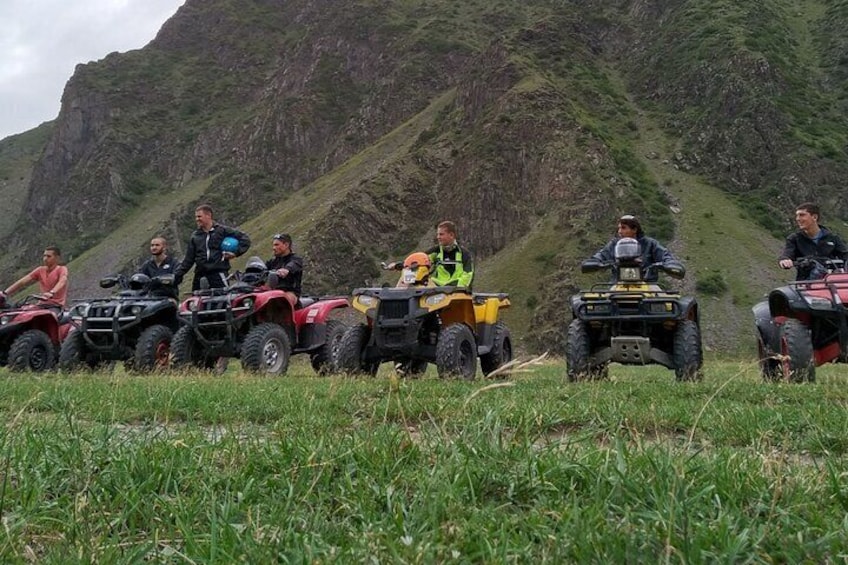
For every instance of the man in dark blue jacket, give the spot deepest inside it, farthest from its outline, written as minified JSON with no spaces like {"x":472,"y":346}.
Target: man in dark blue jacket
{"x":811,"y":240}
{"x":204,"y":251}
{"x":651,"y":249}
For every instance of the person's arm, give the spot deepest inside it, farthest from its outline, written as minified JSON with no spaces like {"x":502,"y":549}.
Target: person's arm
{"x":468,"y":269}
{"x":187,"y":262}
{"x":789,"y":253}
{"x":294,"y":265}
{"x":23,"y":281}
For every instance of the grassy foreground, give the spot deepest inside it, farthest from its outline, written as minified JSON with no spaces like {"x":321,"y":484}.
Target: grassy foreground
{"x":202,"y":469}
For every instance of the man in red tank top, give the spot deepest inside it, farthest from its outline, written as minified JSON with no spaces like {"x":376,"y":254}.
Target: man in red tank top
{"x":52,"y":278}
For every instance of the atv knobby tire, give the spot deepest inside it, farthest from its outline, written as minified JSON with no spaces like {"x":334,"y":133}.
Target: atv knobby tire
{"x":74,"y":355}
{"x":578,"y":354}
{"x":266,"y":350}
{"x":501,"y":352}
{"x":456,"y":352}
{"x":323,"y":359}
{"x":32,"y":351}
{"x":769,"y":365}
{"x":153,"y":349}
{"x":186,"y":351}
{"x":686,"y":353}
{"x":348,"y":355}
{"x":796,"y":348}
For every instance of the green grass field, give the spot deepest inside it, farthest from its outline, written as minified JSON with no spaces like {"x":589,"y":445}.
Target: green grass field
{"x":202,"y":469}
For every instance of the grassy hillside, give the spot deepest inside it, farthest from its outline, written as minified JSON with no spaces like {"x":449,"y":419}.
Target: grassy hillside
{"x":533,"y":125}
{"x":18,"y":154}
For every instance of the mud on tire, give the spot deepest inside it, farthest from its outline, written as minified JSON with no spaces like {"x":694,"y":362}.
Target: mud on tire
{"x":687,"y":354}
{"x":152,"y":350}
{"x":32,"y":351}
{"x":456,"y":352}
{"x":578,"y":355}
{"x":348,"y":355}
{"x":796,"y":347}
{"x":501,"y":352}
{"x":186,"y":351}
{"x":323,"y":360}
{"x":266,"y":350}
{"x":73,"y":354}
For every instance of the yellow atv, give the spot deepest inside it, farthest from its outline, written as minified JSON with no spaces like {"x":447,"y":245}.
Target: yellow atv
{"x":415,"y":323}
{"x":632,"y":321}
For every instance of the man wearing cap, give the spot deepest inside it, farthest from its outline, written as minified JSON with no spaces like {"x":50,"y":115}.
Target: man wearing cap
{"x":287,"y":265}
{"x":652,"y":250}
{"x":204,"y":251}
{"x":811,"y":240}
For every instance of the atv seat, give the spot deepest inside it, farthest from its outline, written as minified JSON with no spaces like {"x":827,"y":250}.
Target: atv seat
{"x":304,"y":301}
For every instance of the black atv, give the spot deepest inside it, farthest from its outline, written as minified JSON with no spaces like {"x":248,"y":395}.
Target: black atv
{"x":633,"y":322}
{"x":135,"y":326}
{"x":804,"y":324}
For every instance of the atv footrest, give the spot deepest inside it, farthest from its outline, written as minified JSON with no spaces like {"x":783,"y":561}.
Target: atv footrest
{"x":631,"y":350}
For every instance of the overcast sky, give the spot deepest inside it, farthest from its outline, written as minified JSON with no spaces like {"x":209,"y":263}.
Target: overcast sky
{"x":41,"y":41}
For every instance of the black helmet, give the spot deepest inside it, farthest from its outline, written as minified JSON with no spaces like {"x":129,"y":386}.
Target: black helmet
{"x":138,"y":281}
{"x":627,"y":249}
{"x":255,"y":265}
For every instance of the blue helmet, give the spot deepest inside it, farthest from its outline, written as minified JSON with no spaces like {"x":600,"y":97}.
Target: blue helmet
{"x":230,"y":244}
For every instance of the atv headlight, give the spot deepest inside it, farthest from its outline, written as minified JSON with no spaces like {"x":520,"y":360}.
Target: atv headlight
{"x":6,"y":319}
{"x":659,"y":307}
{"x":598,"y":308}
{"x":435,"y":299}
{"x":367,"y":301}
{"x":193,"y":305}
{"x":630,"y":274}
{"x":818,"y":303}
{"x":133,"y":310}
{"x":247,"y":302}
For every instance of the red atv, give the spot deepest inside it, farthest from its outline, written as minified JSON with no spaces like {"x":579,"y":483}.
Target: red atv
{"x":256,"y":323}
{"x":804,"y":324}
{"x":30,"y":333}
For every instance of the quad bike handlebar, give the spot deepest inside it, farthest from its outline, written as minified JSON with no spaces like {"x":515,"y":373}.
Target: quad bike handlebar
{"x":673,"y":269}
{"x":830,"y":264}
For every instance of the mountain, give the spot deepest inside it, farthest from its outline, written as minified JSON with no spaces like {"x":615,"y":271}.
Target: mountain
{"x":357,"y":125}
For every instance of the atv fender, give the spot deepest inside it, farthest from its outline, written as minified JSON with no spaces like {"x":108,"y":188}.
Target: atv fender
{"x":786,"y":301}
{"x":767,"y":328}
{"x":317,"y":312}
{"x":689,"y":309}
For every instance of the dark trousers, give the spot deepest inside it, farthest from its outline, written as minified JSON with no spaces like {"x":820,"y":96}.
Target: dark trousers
{"x":216,"y":280}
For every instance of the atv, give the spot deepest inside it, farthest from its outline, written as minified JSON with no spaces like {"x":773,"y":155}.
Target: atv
{"x":415,"y":324}
{"x":30,"y":333}
{"x":632,"y":321}
{"x":253,"y":321}
{"x":135,"y":326}
{"x":803,"y":325}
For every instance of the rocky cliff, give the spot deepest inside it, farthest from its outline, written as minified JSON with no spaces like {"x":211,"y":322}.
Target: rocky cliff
{"x":360,"y":124}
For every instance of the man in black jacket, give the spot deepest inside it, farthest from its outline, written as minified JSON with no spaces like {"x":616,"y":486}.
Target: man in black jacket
{"x":652,"y":250}
{"x":287,"y":265}
{"x":204,"y":251}
{"x":160,"y":263}
{"x":811,"y":240}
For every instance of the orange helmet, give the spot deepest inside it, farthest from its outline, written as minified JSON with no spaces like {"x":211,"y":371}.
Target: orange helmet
{"x":418,"y":259}
{"x":416,"y":269}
